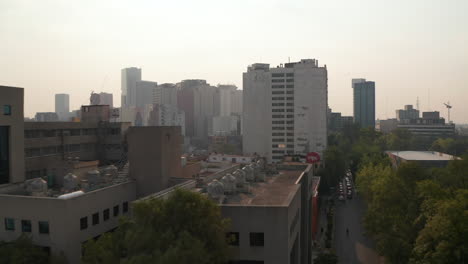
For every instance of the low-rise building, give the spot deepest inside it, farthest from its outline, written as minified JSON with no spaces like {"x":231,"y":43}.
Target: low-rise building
{"x":426,"y":159}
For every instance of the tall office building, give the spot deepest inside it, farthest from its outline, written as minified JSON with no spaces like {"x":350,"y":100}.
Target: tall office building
{"x":130,"y":77}
{"x":144,"y":93}
{"x":200,"y":103}
{"x":62,"y":106}
{"x":285,"y":109}
{"x":364,"y":102}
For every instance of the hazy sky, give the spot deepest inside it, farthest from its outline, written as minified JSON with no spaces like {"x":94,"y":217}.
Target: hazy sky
{"x":410,"y":48}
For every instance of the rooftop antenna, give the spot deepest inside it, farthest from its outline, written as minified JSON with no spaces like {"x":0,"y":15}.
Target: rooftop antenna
{"x":448,"y":110}
{"x":428,"y":99}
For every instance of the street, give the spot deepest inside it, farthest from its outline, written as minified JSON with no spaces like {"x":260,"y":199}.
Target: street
{"x":355,"y":247}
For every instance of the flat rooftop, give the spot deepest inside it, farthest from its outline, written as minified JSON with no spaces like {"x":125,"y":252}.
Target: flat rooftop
{"x":277,"y":190}
{"x":422,"y":155}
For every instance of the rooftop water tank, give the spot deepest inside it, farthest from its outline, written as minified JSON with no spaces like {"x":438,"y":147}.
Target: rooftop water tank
{"x":249,"y":174}
{"x":94,"y":177}
{"x":37,"y":187}
{"x":229,"y":183}
{"x":215,"y":189}
{"x":240,"y":178}
{"x":70,"y":182}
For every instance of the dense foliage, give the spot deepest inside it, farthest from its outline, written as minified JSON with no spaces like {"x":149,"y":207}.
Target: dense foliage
{"x":185,"y":228}
{"x":22,"y":250}
{"x":415,"y":215}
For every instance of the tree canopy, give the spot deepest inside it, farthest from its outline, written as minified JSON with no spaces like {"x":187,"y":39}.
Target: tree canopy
{"x":185,"y":228}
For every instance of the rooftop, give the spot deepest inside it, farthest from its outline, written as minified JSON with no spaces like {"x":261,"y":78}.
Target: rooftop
{"x":276,"y":190}
{"x":422,"y":155}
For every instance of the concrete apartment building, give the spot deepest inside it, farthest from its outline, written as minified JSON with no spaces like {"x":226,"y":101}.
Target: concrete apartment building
{"x":46,"y":117}
{"x":49,"y":145}
{"x":61,"y":217}
{"x":11,"y":135}
{"x":364,"y":102}
{"x":229,"y":120}
{"x":165,"y":111}
{"x":271,"y":213}
{"x":285,"y":109}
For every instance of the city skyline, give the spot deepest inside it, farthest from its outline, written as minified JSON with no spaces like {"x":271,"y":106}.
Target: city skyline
{"x":409,"y":49}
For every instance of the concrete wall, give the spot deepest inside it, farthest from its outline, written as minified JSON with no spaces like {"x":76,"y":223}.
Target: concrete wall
{"x":256,"y":127}
{"x":272,"y":221}
{"x":154,"y":156}
{"x":64,"y":217}
{"x":15,"y":97}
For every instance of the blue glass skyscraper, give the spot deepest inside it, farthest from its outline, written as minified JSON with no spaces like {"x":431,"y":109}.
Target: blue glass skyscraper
{"x":364,"y":102}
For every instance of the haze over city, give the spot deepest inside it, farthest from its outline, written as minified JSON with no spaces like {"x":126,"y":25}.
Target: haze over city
{"x":409,"y":48}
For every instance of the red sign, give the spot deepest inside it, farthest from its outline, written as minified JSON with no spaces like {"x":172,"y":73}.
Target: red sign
{"x":312,"y":157}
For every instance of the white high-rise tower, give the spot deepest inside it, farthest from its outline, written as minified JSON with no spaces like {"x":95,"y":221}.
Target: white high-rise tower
{"x":285,"y":109}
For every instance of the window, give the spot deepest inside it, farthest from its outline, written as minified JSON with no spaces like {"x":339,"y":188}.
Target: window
{"x":290,"y":122}
{"x":277,"y":140}
{"x":256,"y":239}
{"x":277,"y":92}
{"x":26,"y":226}
{"x":277,"y":122}
{"x":233,"y":238}
{"x":277,"y":116}
{"x":116,"y":210}
{"x":106,"y":214}
{"x":289,"y":98}
{"x":289,"y":110}
{"x":9,"y":224}
{"x":277,"y":134}
{"x":290,"y":92}
{"x":4,"y":154}
{"x":7,"y":110}
{"x":290,"y":116}
{"x":290,"y":80}
{"x":277,"y":86}
{"x":277,"y":98}
{"x":277,"y":75}
{"x":83,"y":223}
{"x":278,"y":151}
{"x":96,"y":219}
{"x":277,"y":104}
{"x":43,"y":227}
{"x":290,"y":104}
{"x":291,"y":74}
{"x":290,"y":86}
{"x":277,"y":128}
{"x":125,"y":206}
{"x":277,"y":110}
{"x":277,"y":80}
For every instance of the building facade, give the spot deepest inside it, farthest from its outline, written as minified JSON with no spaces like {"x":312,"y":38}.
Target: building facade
{"x":11,"y":135}
{"x":129,"y":78}
{"x":364,"y":102}
{"x":62,"y":106}
{"x":285,"y":109}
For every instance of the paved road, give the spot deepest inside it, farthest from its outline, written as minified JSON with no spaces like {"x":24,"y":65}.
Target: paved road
{"x":355,"y":248}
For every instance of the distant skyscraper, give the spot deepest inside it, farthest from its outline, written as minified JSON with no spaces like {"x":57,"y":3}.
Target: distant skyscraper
{"x":102,"y":99}
{"x":364,"y":102}
{"x":200,"y":103}
{"x":62,"y":106}
{"x":285,"y":109}
{"x":144,"y":93}
{"x":130,"y":76}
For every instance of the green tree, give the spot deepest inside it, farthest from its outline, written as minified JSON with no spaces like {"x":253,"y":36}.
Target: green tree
{"x":185,"y":228}
{"x":443,"y":239}
{"x":22,"y":250}
{"x":326,"y":258}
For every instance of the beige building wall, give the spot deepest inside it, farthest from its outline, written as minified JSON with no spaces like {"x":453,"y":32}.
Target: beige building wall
{"x":15,"y":98}
{"x":65,"y":235}
{"x":154,"y":155}
{"x":276,"y":222}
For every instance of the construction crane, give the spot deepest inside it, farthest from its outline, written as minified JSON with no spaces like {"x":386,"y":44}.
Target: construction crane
{"x":448,"y":109}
